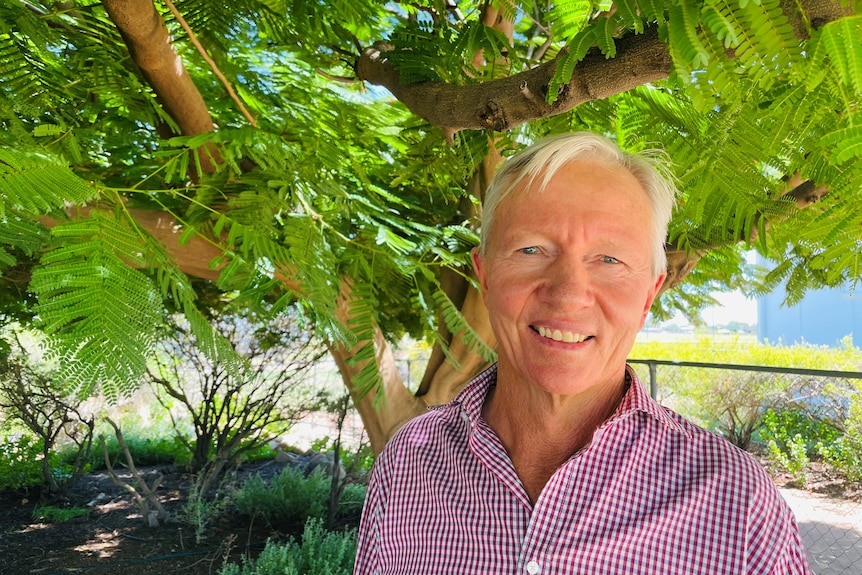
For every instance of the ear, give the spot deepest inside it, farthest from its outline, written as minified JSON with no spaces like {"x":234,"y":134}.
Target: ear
{"x":653,"y":292}
{"x":480,"y":269}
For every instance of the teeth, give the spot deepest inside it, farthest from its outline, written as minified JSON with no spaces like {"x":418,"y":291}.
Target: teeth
{"x":564,"y":336}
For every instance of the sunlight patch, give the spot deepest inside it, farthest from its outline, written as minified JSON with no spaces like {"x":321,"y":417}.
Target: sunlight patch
{"x":102,"y":546}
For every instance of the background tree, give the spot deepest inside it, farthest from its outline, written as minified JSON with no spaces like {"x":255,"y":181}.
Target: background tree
{"x":234,"y":408}
{"x":30,"y":394}
{"x":251,"y":145}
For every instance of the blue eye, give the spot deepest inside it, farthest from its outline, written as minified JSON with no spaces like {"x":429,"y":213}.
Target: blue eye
{"x":610,"y":260}
{"x":529,"y":250}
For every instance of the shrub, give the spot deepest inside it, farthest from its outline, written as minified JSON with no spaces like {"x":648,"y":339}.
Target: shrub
{"x":292,"y":497}
{"x":845,"y":452}
{"x":321,"y":552}
{"x":797,"y":417}
{"x":199,"y":511}
{"x":289,"y":496}
{"x":20,"y":461}
{"x":787,"y":448}
{"x":733,"y":402}
{"x":145,"y":451}
{"x":235,"y":407}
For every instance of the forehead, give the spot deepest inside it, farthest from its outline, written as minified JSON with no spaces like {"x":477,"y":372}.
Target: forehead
{"x":581,"y":191}
{"x":580,"y":182}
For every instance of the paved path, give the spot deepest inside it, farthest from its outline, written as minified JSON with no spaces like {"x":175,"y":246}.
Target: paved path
{"x":831,"y":529}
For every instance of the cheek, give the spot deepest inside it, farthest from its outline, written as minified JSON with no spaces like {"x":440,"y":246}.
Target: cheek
{"x":625,"y":305}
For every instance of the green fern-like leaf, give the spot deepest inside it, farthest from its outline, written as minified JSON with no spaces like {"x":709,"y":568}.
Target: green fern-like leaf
{"x":605,"y":28}
{"x":575,"y":52}
{"x":841,"y":42}
{"x":686,"y":46}
{"x":629,"y":13}
{"x":846,"y":143}
{"x":363,"y":324}
{"x":90,"y":301}
{"x":36,"y":184}
{"x":458,"y":325}
{"x":569,"y":17}
{"x":26,"y":235}
{"x":654,"y":10}
{"x":720,"y":26}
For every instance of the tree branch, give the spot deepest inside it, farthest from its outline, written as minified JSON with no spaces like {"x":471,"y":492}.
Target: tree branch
{"x":505,"y":103}
{"x":150,"y":46}
{"x":213,"y":66}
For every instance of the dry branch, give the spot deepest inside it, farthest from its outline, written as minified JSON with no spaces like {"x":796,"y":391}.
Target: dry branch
{"x":144,"y":494}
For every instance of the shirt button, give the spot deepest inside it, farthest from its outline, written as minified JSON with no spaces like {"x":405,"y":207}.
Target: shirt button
{"x":533,"y":568}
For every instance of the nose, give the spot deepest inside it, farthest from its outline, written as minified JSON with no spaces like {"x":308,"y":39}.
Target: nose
{"x":568,"y":282}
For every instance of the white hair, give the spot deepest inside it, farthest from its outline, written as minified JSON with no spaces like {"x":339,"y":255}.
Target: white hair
{"x":544,"y":158}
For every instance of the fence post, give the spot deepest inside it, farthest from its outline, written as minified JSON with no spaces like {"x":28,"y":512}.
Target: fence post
{"x":653,"y":384}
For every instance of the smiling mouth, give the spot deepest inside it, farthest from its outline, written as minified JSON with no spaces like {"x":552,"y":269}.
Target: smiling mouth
{"x":563,"y":336}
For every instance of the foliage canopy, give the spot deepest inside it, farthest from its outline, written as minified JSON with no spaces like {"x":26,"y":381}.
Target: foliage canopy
{"x":321,"y":184}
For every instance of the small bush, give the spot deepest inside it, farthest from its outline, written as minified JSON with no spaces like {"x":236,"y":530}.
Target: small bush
{"x":352,"y":499}
{"x":144,"y":450}
{"x":321,"y":552}
{"x":845,"y":452}
{"x":785,"y":427}
{"x":20,"y":461}
{"x":289,"y":496}
{"x":199,"y":511}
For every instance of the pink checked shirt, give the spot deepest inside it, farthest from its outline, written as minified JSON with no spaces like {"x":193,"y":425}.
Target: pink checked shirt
{"x":651,"y":494}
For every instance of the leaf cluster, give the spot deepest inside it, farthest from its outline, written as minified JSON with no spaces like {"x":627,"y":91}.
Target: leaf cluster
{"x":337,"y":188}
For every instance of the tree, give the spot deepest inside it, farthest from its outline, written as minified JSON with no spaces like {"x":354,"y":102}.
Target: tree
{"x":234,"y":408}
{"x":253,"y":145}
{"x":30,"y":394}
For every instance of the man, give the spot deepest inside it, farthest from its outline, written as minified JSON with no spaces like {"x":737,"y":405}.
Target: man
{"x":556,"y":460}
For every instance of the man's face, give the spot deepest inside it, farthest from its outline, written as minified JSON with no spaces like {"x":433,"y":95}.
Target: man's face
{"x":567,"y":279}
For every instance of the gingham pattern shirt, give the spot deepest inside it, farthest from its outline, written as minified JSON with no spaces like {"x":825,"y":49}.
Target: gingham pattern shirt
{"x":652,"y":493}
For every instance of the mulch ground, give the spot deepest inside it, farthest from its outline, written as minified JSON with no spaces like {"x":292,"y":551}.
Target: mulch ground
{"x":114,"y":539}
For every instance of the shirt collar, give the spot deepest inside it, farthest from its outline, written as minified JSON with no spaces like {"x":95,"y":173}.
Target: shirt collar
{"x":636,"y":399}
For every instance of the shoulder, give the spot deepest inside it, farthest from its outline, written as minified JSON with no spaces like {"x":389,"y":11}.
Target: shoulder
{"x":712,"y":452}
{"x":432,"y":431}
{"x":445,"y":427}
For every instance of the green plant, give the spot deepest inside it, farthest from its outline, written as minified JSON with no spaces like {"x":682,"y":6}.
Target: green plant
{"x":199,"y":510}
{"x":786,"y":446}
{"x":59,"y":514}
{"x":845,"y":452}
{"x":293,"y":497}
{"x":234,"y":407}
{"x":31,"y":393}
{"x":733,"y":402}
{"x":145,"y":450}
{"x":321,"y":552}
{"x":20,"y":461}
{"x":288,"y":496}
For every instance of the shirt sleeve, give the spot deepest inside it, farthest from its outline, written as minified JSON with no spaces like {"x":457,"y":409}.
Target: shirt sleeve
{"x":775,"y":544}
{"x":794,"y":560}
{"x":368,"y":551}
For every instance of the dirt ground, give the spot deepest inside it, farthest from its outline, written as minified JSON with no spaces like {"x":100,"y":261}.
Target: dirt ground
{"x":113,"y":539}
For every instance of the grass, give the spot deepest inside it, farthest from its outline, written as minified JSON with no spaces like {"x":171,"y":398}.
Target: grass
{"x":59,"y":514}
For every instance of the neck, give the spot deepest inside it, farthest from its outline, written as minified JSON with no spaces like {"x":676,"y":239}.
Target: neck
{"x":541,"y":431}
